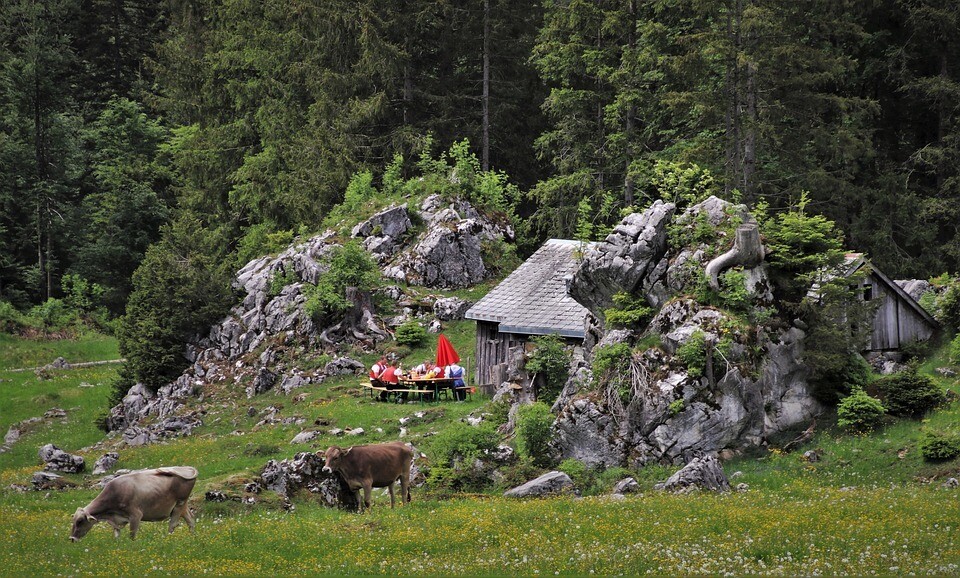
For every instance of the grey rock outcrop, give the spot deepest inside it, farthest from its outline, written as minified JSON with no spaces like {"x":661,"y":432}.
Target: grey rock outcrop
{"x":305,"y":470}
{"x":450,"y":308}
{"x":344,"y":366}
{"x":704,"y":472}
{"x":57,"y":460}
{"x":105,"y":463}
{"x":551,"y":483}
{"x":625,"y":261}
{"x":661,"y":410}
{"x":383,"y":233}
{"x":49,"y":481}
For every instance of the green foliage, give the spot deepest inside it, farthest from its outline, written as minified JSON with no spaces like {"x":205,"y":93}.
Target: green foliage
{"x":550,"y":360}
{"x":280,"y":279}
{"x":182,"y":286}
{"x":948,"y":306}
{"x":534,"y":424}
{"x":693,"y":354}
{"x":803,"y":247}
{"x":955,"y":349}
{"x":839,"y":324}
{"x":584,"y":232}
{"x":11,"y":320}
{"x":676,"y":406}
{"x":499,"y":257}
{"x":859,"y":412}
{"x":627,"y":311}
{"x":261,"y":239}
{"x":936,"y":446}
{"x":685,"y":184}
{"x":910,"y":394}
{"x":350,"y":266}
{"x":610,"y":359}
{"x":453,"y":451}
{"x":411,"y":333}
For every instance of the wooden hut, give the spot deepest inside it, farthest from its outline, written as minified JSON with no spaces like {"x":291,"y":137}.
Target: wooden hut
{"x":531,"y":301}
{"x":899,"y":320}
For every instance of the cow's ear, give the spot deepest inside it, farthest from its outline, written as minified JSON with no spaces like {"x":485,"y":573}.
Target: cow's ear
{"x":79,"y":512}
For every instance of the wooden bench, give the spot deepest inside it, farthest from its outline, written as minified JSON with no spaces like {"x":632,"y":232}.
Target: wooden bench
{"x":375,"y":391}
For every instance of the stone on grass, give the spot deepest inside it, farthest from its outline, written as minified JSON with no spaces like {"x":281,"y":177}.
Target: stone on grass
{"x":551,"y":483}
{"x":703,"y":472}
{"x":57,"y":460}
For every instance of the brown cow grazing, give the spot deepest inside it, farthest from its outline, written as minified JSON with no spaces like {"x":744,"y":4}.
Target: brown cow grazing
{"x":146,"y":495}
{"x":372,"y":466}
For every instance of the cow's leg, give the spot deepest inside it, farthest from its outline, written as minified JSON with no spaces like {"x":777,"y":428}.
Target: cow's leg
{"x":188,"y":516}
{"x":135,"y":517}
{"x":175,"y":517}
{"x":390,"y":490}
{"x":367,"y":488}
{"x":405,"y":487}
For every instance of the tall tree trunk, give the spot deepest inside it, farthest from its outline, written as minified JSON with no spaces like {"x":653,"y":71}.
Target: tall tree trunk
{"x":628,"y":128}
{"x":750,"y":133}
{"x":485,"y":100}
{"x":732,"y":119}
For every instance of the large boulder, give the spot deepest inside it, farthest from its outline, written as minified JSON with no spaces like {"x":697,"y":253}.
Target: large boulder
{"x":751,"y":382}
{"x":57,"y":460}
{"x":702,"y":473}
{"x":625,"y":261}
{"x":549,"y":484}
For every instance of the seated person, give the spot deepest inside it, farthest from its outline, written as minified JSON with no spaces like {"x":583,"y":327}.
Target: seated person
{"x":424,"y":369}
{"x":455,"y":372}
{"x":376,"y":372}
{"x":391,"y":381}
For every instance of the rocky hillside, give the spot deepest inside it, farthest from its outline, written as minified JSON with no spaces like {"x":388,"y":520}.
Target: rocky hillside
{"x":709,"y":371}
{"x":268,"y":337}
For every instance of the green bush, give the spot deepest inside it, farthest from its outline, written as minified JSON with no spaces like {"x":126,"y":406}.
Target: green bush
{"x":550,"y":361}
{"x":949,"y":306}
{"x":453,"y":452}
{"x":411,"y":333}
{"x":939,"y":446}
{"x":955,"y":349}
{"x":627,"y":311}
{"x":909,"y":394}
{"x":181,"y":287}
{"x":11,"y":320}
{"x":859,"y":412}
{"x":350,"y":266}
{"x":534,"y":422}
{"x":693,"y":354}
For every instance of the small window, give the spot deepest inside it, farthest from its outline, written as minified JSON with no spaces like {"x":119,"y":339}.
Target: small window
{"x":867,"y":292}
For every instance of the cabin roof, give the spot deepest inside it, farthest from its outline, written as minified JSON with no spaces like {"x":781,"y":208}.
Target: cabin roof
{"x":533,"y":300}
{"x":853,"y":262}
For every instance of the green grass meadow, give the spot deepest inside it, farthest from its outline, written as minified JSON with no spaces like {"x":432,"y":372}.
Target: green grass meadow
{"x":871,"y":506}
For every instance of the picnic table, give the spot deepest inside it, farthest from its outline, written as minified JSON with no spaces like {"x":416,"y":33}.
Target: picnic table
{"x":423,"y":388}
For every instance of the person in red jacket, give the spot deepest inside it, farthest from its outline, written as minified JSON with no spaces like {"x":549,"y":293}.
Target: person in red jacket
{"x":391,"y":381}
{"x":376,"y":372}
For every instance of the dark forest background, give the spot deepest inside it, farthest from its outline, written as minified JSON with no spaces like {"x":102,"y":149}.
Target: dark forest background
{"x":147,"y":135}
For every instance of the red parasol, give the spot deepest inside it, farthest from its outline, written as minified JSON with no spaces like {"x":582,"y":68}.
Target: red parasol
{"x":446,"y":354}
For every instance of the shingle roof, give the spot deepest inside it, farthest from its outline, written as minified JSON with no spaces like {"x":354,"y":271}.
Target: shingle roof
{"x":533,"y":299}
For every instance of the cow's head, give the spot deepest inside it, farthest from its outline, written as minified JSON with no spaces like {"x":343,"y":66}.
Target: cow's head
{"x":82,"y":522}
{"x":333,"y":456}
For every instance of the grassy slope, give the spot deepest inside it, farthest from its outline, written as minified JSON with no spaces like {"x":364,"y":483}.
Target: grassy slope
{"x":861,"y":510}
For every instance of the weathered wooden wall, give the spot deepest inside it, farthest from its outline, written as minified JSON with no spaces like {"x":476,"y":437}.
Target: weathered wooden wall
{"x":492,"y":351}
{"x":896,"y":324}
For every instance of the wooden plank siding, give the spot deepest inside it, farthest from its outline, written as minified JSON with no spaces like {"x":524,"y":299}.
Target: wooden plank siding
{"x":896,"y":324}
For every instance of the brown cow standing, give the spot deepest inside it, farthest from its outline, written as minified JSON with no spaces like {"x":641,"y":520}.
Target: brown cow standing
{"x":146,"y":495}
{"x":372,"y":466}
